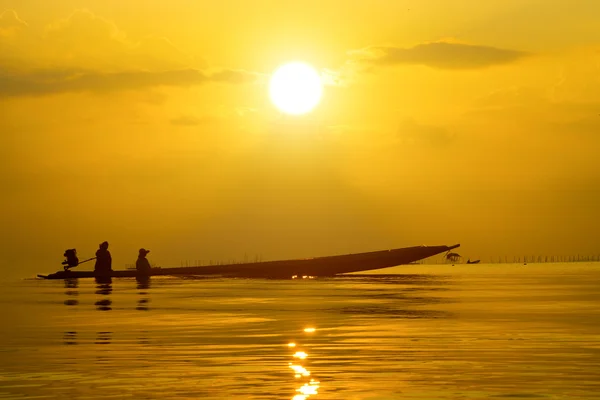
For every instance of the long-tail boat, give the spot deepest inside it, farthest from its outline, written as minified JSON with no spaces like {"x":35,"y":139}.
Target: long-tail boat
{"x":318,"y":266}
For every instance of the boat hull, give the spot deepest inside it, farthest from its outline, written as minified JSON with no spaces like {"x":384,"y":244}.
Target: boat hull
{"x":319,"y":266}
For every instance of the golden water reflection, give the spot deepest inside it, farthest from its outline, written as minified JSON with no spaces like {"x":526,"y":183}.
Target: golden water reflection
{"x":300,"y":354}
{"x":310,"y":386}
{"x":506,"y":334}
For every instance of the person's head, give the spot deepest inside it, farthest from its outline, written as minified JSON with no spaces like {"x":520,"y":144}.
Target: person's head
{"x":70,"y":253}
{"x":104,"y":245}
{"x":143,"y":252}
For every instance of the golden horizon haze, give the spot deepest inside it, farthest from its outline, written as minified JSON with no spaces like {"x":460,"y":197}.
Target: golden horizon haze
{"x":149,"y":124}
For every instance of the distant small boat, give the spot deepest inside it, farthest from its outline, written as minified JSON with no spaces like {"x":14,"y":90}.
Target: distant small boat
{"x":473,"y":262}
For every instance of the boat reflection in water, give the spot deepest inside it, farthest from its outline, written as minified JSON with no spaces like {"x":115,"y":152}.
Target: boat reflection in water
{"x":71,"y":284}
{"x":70,"y":337}
{"x":104,"y":288}
{"x":310,"y":386}
{"x":103,"y":338}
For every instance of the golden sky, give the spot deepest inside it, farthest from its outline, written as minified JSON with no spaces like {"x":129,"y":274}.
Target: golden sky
{"x":148,"y":124}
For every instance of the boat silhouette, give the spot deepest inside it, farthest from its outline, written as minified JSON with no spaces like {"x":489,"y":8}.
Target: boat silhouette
{"x":317,"y":266}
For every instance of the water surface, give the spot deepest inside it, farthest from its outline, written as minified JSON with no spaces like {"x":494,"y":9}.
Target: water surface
{"x":502,"y":331}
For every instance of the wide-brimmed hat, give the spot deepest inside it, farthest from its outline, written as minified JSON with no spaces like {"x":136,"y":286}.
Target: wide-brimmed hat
{"x":144,"y":251}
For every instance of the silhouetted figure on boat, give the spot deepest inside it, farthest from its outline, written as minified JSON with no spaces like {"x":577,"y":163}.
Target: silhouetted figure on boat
{"x":72,"y":260}
{"x":142,"y":265}
{"x":103,"y":259}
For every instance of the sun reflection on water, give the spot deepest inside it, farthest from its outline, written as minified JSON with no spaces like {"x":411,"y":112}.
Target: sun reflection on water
{"x":300,"y":354}
{"x":310,"y":386}
{"x":300,"y":370}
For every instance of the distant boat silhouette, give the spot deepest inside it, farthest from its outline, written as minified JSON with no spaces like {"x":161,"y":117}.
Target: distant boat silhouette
{"x":473,"y":262}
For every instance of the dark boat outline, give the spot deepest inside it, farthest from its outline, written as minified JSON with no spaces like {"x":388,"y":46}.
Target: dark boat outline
{"x":317,"y":266}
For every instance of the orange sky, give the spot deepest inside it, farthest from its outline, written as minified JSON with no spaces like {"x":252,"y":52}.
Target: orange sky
{"x":148,"y":124}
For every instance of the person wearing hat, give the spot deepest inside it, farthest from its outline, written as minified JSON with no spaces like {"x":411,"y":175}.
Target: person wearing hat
{"x":103,"y":259}
{"x":142,"y":265}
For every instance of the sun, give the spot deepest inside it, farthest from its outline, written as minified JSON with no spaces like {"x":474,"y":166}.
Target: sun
{"x":295,"y":88}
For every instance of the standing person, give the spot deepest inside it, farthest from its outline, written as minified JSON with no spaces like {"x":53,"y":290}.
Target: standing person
{"x":142,"y":265}
{"x":103,"y":259}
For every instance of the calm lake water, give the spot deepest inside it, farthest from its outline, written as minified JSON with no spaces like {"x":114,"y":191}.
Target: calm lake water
{"x":501,"y":331}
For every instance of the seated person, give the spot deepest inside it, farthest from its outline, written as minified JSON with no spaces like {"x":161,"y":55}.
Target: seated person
{"x":103,"y":259}
{"x":72,"y":260}
{"x":142,"y":265}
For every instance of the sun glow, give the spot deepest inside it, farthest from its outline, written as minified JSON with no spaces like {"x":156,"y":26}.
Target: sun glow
{"x":295,"y":88}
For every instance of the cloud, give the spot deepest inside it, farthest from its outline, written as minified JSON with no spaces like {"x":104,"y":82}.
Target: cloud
{"x":87,"y":53}
{"x":441,"y":55}
{"x":84,"y":26}
{"x":234,"y":76}
{"x":91,"y":40}
{"x":10,"y":23}
{"x":444,"y":55}
{"x":514,"y":96}
{"x":86,"y":40}
{"x":63,"y":81}
{"x":161,"y":53}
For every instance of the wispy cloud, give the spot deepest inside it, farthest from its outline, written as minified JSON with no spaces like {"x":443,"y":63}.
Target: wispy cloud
{"x":87,"y":39}
{"x":63,"y":81}
{"x":10,"y":23}
{"x":88,"y":53}
{"x":442,"y":55}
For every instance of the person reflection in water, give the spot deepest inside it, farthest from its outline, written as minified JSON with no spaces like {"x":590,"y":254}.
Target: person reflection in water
{"x":71,"y":284}
{"x":104,"y":289}
{"x":103,"y":259}
{"x":143,"y":284}
{"x":142,"y":265}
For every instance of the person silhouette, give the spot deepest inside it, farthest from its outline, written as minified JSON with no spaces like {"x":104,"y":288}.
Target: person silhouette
{"x":71,"y":259}
{"x":142,"y":265}
{"x":103,"y":259}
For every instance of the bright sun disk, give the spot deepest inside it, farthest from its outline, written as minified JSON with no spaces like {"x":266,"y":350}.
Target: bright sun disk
{"x":295,"y":88}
